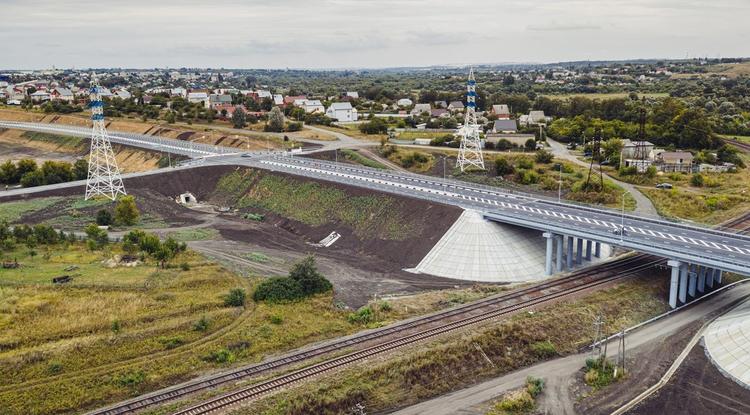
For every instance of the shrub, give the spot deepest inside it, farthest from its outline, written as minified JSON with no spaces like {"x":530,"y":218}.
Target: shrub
{"x":697,"y":180}
{"x":276,"y":319}
{"x":363,"y":316}
{"x":525,"y":163}
{"x":235,"y":298}
{"x":543,"y":156}
{"x":185,"y":266}
{"x":130,"y":379}
{"x":201,"y":325}
{"x":534,"y":386}
{"x":651,"y":172}
{"x":385,"y":306}
{"x":171,"y":342}
{"x":116,"y":326}
{"x":220,"y":356}
{"x":503,"y":166}
{"x":54,"y":368}
{"x":278,"y":289}
{"x":96,"y":237}
{"x":103,"y":218}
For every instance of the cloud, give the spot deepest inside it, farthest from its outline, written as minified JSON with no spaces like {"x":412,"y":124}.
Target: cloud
{"x":555,"y":27}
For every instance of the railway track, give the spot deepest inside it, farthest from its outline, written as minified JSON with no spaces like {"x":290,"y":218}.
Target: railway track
{"x":426,"y":327}
{"x":739,"y":144}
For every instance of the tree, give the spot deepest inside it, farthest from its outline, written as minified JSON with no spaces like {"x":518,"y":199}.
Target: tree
{"x":308,"y":277}
{"x":170,"y":117}
{"x":376,"y":125}
{"x":235,"y":298}
{"x":502,"y":166}
{"x":81,"y":169}
{"x":530,"y":144}
{"x":25,"y":166}
{"x":238,"y":118}
{"x":32,"y":178}
{"x":97,"y":237}
{"x":56,"y":172}
{"x":8,"y":173}
{"x":275,"y":120}
{"x":126,"y":211}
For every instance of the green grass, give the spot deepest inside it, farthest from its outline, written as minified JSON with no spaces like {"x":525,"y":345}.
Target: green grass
{"x":113,"y":333}
{"x":316,"y":205}
{"x":360,"y":159}
{"x":411,"y":135}
{"x":13,"y":211}
{"x":257,"y":257}
{"x":197,"y":234}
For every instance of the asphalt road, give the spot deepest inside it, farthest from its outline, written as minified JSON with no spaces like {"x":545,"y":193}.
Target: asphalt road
{"x":562,"y":369}
{"x":723,"y":250}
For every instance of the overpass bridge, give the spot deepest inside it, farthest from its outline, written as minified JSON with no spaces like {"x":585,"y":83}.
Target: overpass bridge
{"x":697,"y":255}
{"x":148,"y":142}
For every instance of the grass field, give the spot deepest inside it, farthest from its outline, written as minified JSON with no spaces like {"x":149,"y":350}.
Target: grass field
{"x":13,"y":211}
{"x":314,"y":204}
{"x":354,"y":156}
{"x":453,"y":362}
{"x":117,"y":332}
{"x":197,"y":234}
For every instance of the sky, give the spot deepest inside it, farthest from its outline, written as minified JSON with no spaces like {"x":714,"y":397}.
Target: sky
{"x":40,"y":34}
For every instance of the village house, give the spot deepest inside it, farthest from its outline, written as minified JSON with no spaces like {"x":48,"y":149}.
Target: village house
{"x":215,"y":100}
{"x":312,"y":106}
{"x":675,"y":161}
{"x":421,"y":108}
{"x":62,"y":94}
{"x":456,"y":106}
{"x":404,"y":102}
{"x":197,"y":97}
{"x":501,"y":111}
{"x":505,"y":127}
{"x":440,"y":113}
{"x":342,"y":111}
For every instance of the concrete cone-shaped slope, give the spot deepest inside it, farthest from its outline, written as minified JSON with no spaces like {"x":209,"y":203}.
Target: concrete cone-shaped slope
{"x":480,"y":250}
{"x":727,"y":343}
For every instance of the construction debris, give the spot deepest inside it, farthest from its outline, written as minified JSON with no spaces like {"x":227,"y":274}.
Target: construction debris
{"x":328,"y":240}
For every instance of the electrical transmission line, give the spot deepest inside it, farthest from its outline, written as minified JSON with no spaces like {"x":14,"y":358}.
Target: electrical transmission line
{"x":470,"y":152}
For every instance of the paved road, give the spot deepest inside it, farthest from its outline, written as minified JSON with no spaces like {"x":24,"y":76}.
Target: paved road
{"x":722,"y":250}
{"x":559,"y":371}
{"x":643,"y":206}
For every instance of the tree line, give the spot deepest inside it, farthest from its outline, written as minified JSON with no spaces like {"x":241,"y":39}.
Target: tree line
{"x":27,"y":173}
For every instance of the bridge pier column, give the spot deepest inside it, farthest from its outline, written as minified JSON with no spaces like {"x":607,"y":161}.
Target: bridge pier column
{"x":597,"y":249}
{"x":579,"y":251}
{"x":559,"y":252}
{"x":710,"y":278}
{"x":693,"y":280}
{"x":548,"y":257}
{"x":693,"y":277}
{"x":569,"y":257}
{"x":717,"y":276}
{"x":702,"y":280}
{"x":674,"y":282}
{"x":683,"y":283}
{"x":588,"y":250}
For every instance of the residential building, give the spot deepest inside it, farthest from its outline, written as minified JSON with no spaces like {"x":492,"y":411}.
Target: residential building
{"x":533,"y":118}
{"x":675,"y":161}
{"x":638,"y":150}
{"x":518,"y":140}
{"x":440,"y":113}
{"x":291,"y":100}
{"x":456,"y":106}
{"x":420,"y":108}
{"x":342,"y":111}
{"x":505,"y":127}
{"x":197,"y":97}
{"x":352,"y":94}
{"x":40,"y":96}
{"x":312,"y":106}
{"x":62,"y":94}
{"x":404,"y":102}
{"x":440,"y":104}
{"x":123,"y":94}
{"x":215,"y":100}
{"x":278,"y":99}
{"x":501,"y":111}
{"x":178,"y":92}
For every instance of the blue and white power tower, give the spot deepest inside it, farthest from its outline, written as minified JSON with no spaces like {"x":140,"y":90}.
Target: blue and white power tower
{"x":104,"y":176}
{"x":470,"y":152}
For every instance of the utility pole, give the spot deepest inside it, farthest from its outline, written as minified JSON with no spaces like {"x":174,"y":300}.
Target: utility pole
{"x":598,"y":326}
{"x":559,"y":184}
{"x":620,"y":353}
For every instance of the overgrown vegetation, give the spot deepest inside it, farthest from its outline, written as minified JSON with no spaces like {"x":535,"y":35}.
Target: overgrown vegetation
{"x":600,"y":372}
{"x":520,"y":401}
{"x":315,"y":204}
{"x":304,"y":280}
{"x":26,"y":172}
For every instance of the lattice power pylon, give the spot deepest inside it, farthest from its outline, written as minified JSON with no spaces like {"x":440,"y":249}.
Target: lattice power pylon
{"x":470,"y":152}
{"x":104,"y":176}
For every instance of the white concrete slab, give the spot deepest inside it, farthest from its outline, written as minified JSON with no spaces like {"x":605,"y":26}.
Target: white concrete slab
{"x":727,"y":342}
{"x":479,"y":250}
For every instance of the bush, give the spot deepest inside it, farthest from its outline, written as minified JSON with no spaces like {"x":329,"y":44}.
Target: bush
{"x":543,"y":156}
{"x":275,"y":319}
{"x":130,"y":379}
{"x":235,"y":298}
{"x":171,"y":342}
{"x":126,"y":212}
{"x":503,"y":166}
{"x":309,"y":279}
{"x":185,"y":266}
{"x":293,"y":126}
{"x":525,"y":163}
{"x":385,"y":306}
{"x":530,"y":144}
{"x":534,"y":386}
{"x":201,"y":325}
{"x":103,"y":218}
{"x":697,"y":180}
{"x":96,"y":237}
{"x":628,"y":171}
{"x":363,"y":316}
{"x":220,"y":356}
{"x":278,"y":289}
{"x":651,"y":172}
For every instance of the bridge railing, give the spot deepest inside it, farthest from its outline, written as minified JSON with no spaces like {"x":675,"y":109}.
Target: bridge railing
{"x":718,"y":230}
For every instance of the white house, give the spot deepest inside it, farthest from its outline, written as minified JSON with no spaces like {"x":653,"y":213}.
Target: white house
{"x":501,"y":111}
{"x":342,"y":111}
{"x":124,"y":94}
{"x":178,"y":92}
{"x":313,"y":105}
{"x":278,"y":99}
{"x":262,"y":93}
{"x":404,"y":102}
{"x":456,"y":106}
{"x":196,"y":97}
{"x":40,"y":96}
{"x":215,"y":100}
{"x":420,"y":108}
{"x":352,"y":94}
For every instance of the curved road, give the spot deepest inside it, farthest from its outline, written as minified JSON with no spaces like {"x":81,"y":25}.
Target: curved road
{"x":643,"y":204}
